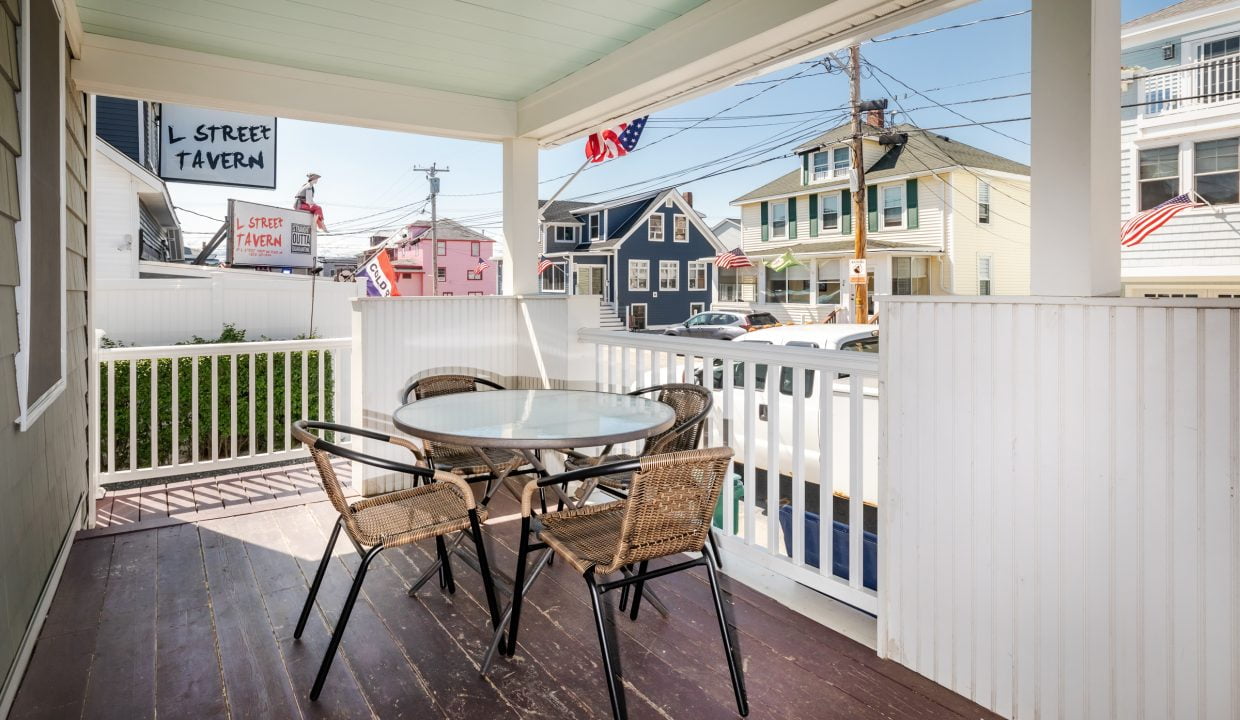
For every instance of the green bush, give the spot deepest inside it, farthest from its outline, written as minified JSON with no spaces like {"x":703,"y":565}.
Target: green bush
{"x":274,"y":417}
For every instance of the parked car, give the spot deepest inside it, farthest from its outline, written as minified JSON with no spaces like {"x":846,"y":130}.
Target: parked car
{"x":826,"y":337}
{"x":721,"y":324}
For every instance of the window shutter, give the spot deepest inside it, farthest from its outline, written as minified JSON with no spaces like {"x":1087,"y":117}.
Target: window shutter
{"x":813,"y":216}
{"x":792,"y":218}
{"x":910,"y":201}
{"x":766,"y":228}
{"x":845,"y":212}
{"x":805,"y":169}
{"x":871,"y":207}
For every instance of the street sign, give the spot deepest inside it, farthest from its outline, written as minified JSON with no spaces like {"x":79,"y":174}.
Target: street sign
{"x":857,"y":274}
{"x":270,"y":236}
{"x":217,"y":147}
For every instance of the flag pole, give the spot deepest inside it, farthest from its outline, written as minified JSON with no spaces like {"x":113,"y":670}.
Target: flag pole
{"x":571,"y":178}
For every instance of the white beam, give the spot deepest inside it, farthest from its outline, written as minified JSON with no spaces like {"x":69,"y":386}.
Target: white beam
{"x":521,"y":241}
{"x":714,"y":45}
{"x":124,"y":68}
{"x":1076,"y":150}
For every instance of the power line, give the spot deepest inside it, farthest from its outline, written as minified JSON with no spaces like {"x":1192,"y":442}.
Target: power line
{"x":195,"y":212}
{"x":957,"y":26}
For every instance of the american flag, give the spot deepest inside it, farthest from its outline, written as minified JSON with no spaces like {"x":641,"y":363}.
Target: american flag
{"x":1139,"y":226}
{"x":482,"y":265}
{"x":543,"y":264}
{"x":615,"y":142}
{"x":735,"y":258}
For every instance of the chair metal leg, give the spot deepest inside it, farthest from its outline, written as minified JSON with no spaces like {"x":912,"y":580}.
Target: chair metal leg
{"x":445,"y":566}
{"x":714,"y":548}
{"x":734,"y":665}
{"x":518,"y":588}
{"x":637,"y":590}
{"x":605,"y":625}
{"x":484,"y":569}
{"x":318,"y":580}
{"x":347,"y":610}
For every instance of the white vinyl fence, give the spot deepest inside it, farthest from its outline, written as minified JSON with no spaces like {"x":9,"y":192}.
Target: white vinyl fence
{"x":179,"y":409}
{"x":806,"y":448}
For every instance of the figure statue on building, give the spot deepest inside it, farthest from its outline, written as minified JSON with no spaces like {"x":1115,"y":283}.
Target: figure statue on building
{"x":304,"y":200}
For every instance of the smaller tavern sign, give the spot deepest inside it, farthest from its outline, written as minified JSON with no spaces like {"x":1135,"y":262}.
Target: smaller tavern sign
{"x":270,"y":236}
{"x":217,"y":147}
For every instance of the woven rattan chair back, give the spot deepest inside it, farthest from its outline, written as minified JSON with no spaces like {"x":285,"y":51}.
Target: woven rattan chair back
{"x":329,"y":479}
{"x":671,"y":504}
{"x":436,"y":385}
{"x":691,"y":403}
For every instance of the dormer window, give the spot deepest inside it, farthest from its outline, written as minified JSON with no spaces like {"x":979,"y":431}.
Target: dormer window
{"x":828,"y":164}
{"x":565,"y":234}
{"x":594,"y":225}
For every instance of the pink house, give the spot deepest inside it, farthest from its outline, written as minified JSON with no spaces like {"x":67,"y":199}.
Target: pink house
{"x":456,"y":260}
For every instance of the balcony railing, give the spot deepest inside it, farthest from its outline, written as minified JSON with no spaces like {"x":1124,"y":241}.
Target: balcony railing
{"x":805,"y":505}
{"x":1192,"y":85}
{"x":180,"y":409}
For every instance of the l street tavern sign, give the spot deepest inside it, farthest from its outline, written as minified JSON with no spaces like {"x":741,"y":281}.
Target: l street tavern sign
{"x":217,"y":147}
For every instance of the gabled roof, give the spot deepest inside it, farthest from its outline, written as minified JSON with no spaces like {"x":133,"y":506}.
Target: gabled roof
{"x":445,"y":229}
{"x":561,"y":211}
{"x":1180,"y":8}
{"x":925,"y":152}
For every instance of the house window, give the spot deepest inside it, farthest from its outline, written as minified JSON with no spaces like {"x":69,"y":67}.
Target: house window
{"x":475,"y":248}
{"x":446,"y":294}
{"x":552,"y":279}
{"x":829,"y":284}
{"x":41,"y":299}
{"x":654,"y":226}
{"x":984,"y":268}
{"x":779,"y":220}
{"x":594,"y":220}
{"x":639,"y":275}
{"x":1216,"y":72}
{"x":474,"y":292}
{"x":1159,"y":175}
{"x":789,"y":286}
{"x":698,"y":274}
{"x":829,"y":211}
{"x":1217,"y":173}
{"x":983,"y":202}
{"x":470,"y":274}
{"x":821,"y":162}
{"x":637,"y":316}
{"x":829,"y":163}
{"x":441,"y":273}
{"x":910,"y":276}
{"x":680,"y":228}
{"x":841,"y":163}
{"x":696,"y":308}
{"x":738,"y":285}
{"x":565,"y":234}
{"x":893,"y":206}
{"x":441,"y":247}
{"x":669,"y":274}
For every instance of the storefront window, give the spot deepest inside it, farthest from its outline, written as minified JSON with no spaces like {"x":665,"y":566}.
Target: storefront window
{"x":829,"y":282}
{"x":789,"y":286}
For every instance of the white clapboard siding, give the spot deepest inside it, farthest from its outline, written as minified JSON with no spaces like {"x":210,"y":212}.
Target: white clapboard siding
{"x":516,"y":341}
{"x":1060,"y":484}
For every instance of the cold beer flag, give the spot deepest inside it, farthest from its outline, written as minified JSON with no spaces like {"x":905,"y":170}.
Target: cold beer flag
{"x":380,"y":276}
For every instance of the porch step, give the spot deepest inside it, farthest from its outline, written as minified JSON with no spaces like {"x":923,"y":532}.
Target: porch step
{"x":607,"y":317}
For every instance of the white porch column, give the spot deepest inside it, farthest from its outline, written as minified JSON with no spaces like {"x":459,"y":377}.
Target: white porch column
{"x":1076,"y":149}
{"x":521,"y":242}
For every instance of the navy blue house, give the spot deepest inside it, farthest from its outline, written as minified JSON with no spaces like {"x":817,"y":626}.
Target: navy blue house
{"x":647,"y":256}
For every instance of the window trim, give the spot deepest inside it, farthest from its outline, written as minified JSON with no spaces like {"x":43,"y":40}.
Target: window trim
{"x":645,"y":314}
{"x":471,"y":275}
{"x":882,"y":207}
{"x":441,"y":248}
{"x":675,"y":218}
{"x":31,"y":409}
{"x":650,"y":225}
{"x":839,"y":207}
{"x":1197,"y":173}
{"x":832,"y":172}
{"x":562,"y":266}
{"x":674,"y":280}
{"x":693,"y":267}
{"x":594,"y":226}
{"x":700,"y":305}
{"x":441,"y":273}
{"x":784,"y":205}
{"x":645,"y":265}
{"x":983,"y":187}
{"x":989,"y":261}
{"x":572,"y":234}
{"x":475,"y":248}
{"x":1138,"y":181}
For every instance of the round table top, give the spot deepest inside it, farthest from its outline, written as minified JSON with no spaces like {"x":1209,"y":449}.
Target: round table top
{"x":532,"y":419}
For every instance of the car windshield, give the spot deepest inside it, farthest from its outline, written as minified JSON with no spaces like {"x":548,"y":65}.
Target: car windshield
{"x":865,"y":345}
{"x":762,"y":319}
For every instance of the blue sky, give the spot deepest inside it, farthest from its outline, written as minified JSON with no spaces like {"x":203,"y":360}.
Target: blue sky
{"x":367,"y":177}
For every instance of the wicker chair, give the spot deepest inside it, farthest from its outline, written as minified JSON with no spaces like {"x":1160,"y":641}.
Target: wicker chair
{"x":474,"y":464}
{"x":443,"y":505}
{"x":670,"y":505}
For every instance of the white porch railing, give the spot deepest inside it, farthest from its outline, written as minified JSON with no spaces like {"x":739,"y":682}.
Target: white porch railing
{"x":803,"y":456}
{"x":179,"y":409}
{"x":1202,"y":83}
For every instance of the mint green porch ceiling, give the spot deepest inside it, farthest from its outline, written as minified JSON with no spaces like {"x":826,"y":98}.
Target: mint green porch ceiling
{"x":503,"y":49}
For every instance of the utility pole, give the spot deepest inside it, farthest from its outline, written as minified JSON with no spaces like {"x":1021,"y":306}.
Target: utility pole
{"x":432,"y":176}
{"x":860,"y":301}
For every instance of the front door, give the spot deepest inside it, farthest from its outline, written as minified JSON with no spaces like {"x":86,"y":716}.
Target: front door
{"x":590,"y":279}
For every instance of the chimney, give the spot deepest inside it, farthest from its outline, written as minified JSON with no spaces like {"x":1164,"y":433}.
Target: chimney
{"x":874,"y":118}
{"x":689,"y":198}
{"x":377,"y":239}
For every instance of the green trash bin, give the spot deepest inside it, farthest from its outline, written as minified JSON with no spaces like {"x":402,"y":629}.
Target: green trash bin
{"x":738,"y":494}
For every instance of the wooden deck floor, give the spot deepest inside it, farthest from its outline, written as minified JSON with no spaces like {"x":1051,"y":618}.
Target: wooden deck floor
{"x":195,"y":619}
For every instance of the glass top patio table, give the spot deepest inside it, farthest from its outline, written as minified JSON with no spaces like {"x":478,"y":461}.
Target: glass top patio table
{"x":534,"y":419}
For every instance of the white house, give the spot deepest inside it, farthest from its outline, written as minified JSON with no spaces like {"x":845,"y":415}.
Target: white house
{"x":944,"y":218}
{"x":1181,"y":134}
